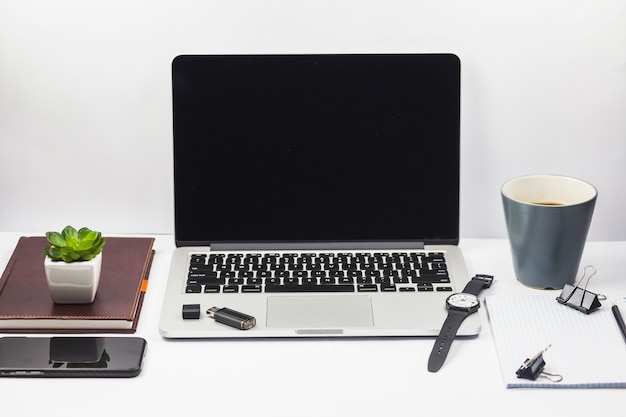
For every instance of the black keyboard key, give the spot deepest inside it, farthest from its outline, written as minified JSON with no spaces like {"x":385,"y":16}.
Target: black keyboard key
{"x":391,"y":274}
{"x":324,"y":257}
{"x":300,"y":267}
{"x":319,"y":274}
{"x":433,"y":272}
{"x":431,"y":276}
{"x":432,"y":280}
{"x":408,"y":273}
{"x":367,"y":287}
{"x":251,"y":288}
{"x":385,"y":266}
{"x":200,"y":281}
{"x":202,"y":274}
{"x":215,"y":259}
{"x":252,"y":259}
{"x":337,"y":274}
{"x":231,"y":288}
{"x":198,"y":259}
{"x":192,"y":289}
{"x":437,"y":257}
{"x":398,"y":257}
{"x":373,"y":273}
{"x":211,"y":288}
{"x":200,"y":267}
{"x":201,"y":277}
{"x":332,"y":267}
{"x":383,"y":280}
{"x":309,"y":288}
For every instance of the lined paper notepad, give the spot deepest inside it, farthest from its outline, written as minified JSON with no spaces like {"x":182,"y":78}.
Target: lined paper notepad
{"x":587,"y":350}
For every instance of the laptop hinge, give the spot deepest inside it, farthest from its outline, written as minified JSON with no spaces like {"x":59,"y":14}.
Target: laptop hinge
{"x":316,"y":246}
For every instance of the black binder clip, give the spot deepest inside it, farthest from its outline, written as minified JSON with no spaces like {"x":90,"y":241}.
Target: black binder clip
{"x":533,"y":368}
{"x":579,"y":298}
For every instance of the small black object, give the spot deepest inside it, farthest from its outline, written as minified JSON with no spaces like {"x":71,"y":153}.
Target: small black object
{"x":533,"y":368}
{"x":579,"y":298}
{"x":460,"y":306}
{"x":232,"y":318}
{"x":619,"y":319}
{"x":191,"y":311}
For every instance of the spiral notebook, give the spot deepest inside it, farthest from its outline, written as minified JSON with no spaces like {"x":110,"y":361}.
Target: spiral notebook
{"x":588,"y":351}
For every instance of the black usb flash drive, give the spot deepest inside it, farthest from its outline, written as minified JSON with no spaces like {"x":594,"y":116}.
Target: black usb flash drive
{"x":232,"y":318}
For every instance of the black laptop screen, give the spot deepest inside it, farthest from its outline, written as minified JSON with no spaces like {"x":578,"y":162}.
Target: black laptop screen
{"x":277,"y":148}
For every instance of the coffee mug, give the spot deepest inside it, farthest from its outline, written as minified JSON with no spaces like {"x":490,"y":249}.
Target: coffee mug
{"x":547,"y":219}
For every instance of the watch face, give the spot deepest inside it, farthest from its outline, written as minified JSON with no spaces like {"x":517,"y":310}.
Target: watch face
{"x":463,"y":300}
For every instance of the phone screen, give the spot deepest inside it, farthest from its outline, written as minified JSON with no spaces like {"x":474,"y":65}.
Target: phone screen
{"x":95,"y":357}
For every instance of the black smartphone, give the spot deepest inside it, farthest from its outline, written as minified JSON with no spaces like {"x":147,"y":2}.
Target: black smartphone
{"x":87,"y":357}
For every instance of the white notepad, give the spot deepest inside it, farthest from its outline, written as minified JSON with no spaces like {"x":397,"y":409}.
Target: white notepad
{"x":588,"y":351}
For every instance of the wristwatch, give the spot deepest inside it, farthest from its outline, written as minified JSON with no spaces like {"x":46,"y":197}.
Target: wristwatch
{"x":459,"y":305}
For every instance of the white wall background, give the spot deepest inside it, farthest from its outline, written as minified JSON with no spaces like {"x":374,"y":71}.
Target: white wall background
{"x":85,"y":112}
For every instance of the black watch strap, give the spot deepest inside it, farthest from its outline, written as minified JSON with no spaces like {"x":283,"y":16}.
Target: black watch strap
{"x":477,"y":283}
{"x":453,"y":322}
{"x":445,"y":338}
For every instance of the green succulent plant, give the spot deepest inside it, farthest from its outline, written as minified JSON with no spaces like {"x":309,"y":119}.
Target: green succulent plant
{"x":74,"y":246}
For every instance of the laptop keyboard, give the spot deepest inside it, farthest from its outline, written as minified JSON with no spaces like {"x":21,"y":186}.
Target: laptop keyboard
{"x":295,"y":272}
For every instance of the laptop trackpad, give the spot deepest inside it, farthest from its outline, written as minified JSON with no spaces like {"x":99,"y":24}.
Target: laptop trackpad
{"x":319,"y":312}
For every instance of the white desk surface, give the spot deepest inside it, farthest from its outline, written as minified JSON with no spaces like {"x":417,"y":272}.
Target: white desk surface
{"x":325,"y":377}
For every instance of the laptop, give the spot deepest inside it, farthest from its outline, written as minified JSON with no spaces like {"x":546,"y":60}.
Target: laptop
{"x":316,"y":193}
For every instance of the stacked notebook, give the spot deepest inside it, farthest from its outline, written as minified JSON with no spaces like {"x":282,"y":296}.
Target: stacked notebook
{"x":26,"y":305}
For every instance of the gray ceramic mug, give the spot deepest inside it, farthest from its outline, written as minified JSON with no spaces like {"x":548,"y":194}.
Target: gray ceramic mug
{"x":547,"y":219}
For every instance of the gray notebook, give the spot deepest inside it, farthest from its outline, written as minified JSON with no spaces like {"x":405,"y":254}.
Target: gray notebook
{"x":317,"y":193}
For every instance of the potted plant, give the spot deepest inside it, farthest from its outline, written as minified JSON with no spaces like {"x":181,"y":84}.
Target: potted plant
{"x":72,"y":264}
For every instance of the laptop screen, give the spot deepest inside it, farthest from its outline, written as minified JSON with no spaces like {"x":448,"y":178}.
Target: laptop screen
{"x":313,"y":148}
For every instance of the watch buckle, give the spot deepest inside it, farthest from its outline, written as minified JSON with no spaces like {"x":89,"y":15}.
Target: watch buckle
{"x":488,"y":279}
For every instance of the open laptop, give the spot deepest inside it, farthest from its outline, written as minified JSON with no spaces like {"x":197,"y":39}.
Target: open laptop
{"x":317,"y":193}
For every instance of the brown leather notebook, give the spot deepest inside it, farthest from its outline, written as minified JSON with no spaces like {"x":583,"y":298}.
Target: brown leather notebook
{"x":26,"y":305}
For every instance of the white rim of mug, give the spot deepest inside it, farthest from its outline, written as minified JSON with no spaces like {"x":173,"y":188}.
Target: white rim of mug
{"x":565,"y":177}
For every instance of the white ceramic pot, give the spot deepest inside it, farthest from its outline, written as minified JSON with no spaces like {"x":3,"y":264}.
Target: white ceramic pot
{"x":73,"y":283}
